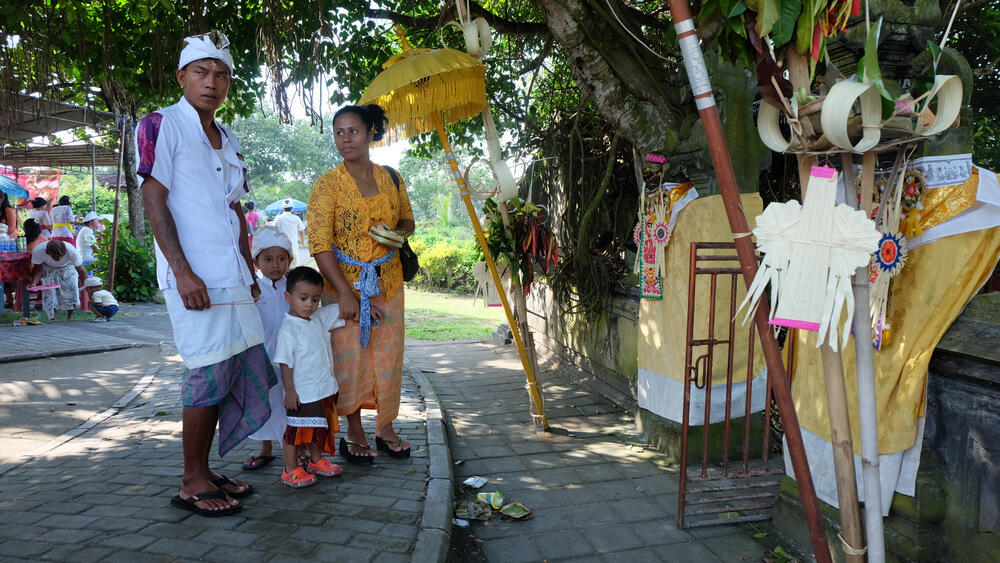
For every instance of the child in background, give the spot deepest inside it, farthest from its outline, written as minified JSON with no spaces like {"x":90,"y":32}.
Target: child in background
{"x":272,"y":255}
{"x":86,"y":240}
{"x":102,"y":303}
{"x":306,"y":359}
{"x":41,"y":216}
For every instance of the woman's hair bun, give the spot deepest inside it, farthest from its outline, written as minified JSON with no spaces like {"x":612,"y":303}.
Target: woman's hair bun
{"x":372,"y":115}
{"x":376,"y":120}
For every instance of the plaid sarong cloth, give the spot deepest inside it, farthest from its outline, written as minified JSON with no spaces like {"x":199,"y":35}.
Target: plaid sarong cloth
{"x":239,"y":385}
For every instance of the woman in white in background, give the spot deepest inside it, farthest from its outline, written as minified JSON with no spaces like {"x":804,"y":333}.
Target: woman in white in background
{"x":41,"y":216}
{"x":62,"y":221}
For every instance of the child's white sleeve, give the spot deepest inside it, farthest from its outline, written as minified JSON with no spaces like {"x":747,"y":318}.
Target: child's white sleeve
{"x":331,"y":316}
{"x":284,"y":353}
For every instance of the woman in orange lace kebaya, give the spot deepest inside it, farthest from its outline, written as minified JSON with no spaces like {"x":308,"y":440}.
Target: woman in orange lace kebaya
{"x":365,"y":277}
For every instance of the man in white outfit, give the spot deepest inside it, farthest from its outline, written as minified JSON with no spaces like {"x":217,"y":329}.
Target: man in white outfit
{"x":293,"y":228}
{"x":193,"y":177}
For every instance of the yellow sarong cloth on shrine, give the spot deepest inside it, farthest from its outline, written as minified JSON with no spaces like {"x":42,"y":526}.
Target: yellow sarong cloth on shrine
{"x":663,"y":323}
{"x":935,"y":284}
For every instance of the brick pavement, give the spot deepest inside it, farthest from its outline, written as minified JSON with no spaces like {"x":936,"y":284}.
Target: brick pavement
{"x":597,"y":493}
{"x":101,"y":491}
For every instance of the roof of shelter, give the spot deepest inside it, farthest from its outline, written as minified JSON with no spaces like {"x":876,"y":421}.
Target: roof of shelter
{"x":23,"y":117}
{"x":58,"y":156}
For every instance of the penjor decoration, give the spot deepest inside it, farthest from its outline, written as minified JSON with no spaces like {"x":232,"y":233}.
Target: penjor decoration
{"x":658,"y":211}
{"x":810,"y":253}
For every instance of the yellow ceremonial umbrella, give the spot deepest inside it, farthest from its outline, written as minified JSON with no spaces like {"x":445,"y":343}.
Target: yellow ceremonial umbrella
{"x":421,"y":90}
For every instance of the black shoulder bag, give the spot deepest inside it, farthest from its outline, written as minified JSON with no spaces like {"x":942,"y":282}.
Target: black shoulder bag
{"x":407,"y":257}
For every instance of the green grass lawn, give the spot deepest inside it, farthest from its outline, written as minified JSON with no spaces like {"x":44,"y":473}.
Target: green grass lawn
{"x":448,"y":316}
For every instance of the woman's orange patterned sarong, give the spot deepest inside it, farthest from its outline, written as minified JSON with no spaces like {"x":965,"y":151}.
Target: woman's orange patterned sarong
{"x":372,"y":377}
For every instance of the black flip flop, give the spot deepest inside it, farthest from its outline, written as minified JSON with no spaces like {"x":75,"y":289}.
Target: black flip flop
{"x":383,"y":446}
{"x":355,"y":458}
{"x":265,"y":460}
{"x":188,"y":504}
{"x":223,"y":481}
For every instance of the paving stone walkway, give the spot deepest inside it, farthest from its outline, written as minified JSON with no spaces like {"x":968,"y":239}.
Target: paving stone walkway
{"x":596,"y":492}
{"x":101,"y":491}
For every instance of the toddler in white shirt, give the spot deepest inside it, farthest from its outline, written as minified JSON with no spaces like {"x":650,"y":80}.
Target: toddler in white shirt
{"x":305,"y":356}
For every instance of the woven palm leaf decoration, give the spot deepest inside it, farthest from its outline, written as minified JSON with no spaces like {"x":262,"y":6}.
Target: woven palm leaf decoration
{"x":888,"y":260}
{"x":810,"y":253}
{"x":658,"y":212}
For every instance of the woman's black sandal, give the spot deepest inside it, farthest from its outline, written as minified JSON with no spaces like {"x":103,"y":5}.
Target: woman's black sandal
{"x":355,"y":458}
{"x":383,"y":446}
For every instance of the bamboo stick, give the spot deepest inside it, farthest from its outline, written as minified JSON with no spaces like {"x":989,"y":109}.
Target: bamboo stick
{"x":840,"y":421}
{"x":538,"y":412}
{"x":867,"y":403}
{"x":694,"y":63}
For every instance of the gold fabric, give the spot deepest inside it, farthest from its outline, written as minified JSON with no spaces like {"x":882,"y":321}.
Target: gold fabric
{"x":927,"y":296}
{"x":663,"y":323}
{"x":340,"y":216}
{"x":941,"y":204}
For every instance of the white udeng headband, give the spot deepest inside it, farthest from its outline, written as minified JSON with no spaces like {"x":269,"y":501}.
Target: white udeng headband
{"x":199,"y":47}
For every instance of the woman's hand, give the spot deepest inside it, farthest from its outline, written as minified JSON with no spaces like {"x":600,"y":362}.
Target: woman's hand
{"x":255,"y":291}
{"x":377,"y":306}
{"x":350,"y":306}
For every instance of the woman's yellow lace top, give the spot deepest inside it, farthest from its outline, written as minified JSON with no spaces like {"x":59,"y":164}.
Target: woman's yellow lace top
{"x":340,"y":216}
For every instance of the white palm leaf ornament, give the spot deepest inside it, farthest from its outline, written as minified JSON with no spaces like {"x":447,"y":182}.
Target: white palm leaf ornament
{"x":810,"y":253}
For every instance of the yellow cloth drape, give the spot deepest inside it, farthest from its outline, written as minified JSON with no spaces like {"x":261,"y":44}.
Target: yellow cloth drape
{"x":927,"y":296}
{"x":663,"y":323}
{"x":338,"y":215}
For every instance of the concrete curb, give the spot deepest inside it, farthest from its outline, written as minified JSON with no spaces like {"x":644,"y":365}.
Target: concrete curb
{"x":434,"y":537}
{"x":21,"y":357}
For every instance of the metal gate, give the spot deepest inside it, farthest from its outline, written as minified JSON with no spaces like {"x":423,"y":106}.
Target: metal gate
{"x":722,"y":490}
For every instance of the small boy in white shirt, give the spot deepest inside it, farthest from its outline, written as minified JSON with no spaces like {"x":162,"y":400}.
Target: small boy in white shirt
{"x":272,"y":253}
{"x":86,"y":240}
{"x":102,"y":303}
{"x":306,"y":358}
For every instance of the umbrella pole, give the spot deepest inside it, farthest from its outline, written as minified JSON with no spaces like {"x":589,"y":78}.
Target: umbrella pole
{"x":538,"y":408}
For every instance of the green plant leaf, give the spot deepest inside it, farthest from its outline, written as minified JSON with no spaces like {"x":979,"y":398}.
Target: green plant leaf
{"x":783,"y":29}
{"x":768,"y":14}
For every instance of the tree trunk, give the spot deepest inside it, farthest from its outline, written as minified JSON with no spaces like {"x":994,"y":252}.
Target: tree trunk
{"x":136,"y":215}
{"x":634,"y":90}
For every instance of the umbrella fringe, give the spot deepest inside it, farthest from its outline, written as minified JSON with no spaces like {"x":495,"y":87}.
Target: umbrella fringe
{"x":456,"y":95}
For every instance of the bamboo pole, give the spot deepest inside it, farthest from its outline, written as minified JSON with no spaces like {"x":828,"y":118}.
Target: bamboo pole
{"x":694,"y":63}
{"x":851,"y":536}
{"x":867,"y":404}
{"x":538,"y":408}
{"x":840,"y":426}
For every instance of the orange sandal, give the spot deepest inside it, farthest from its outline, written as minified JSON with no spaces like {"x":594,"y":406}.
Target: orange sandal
{"x":323,"y":468}
{"x":299,"y":477}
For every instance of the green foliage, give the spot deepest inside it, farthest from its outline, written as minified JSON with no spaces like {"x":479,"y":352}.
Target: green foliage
{"x":135,"y":266}
{"x":447,"y":254}
{"x":284,"y":160}
{"x":76,"y":185}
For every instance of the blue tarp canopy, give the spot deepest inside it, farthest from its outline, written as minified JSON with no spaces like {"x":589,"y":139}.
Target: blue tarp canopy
{"x":16,"y":192}
{"x":276,"y":207}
